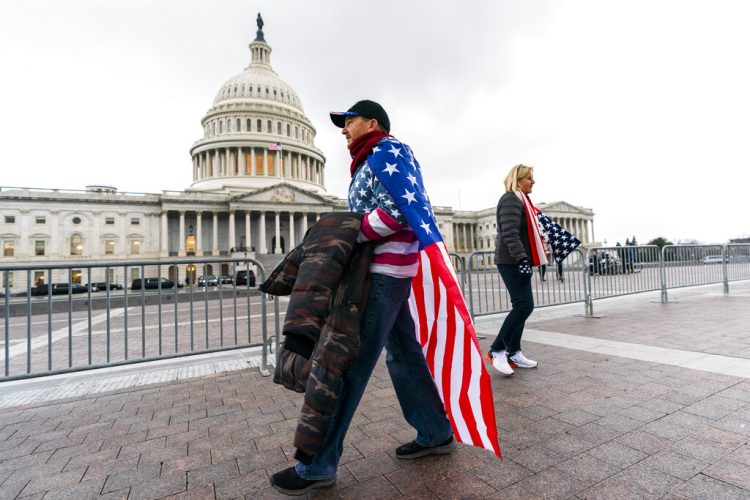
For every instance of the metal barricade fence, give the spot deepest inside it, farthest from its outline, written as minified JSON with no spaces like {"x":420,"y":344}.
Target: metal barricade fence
{"x":553,"y":285}
{"x":621,"y":270}
{"x":693,"y":265}
{"x":607,"y":272}
{"x":60,"y":325}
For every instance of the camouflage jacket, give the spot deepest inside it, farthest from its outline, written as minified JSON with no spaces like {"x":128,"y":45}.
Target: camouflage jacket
{"x":326,"y":277}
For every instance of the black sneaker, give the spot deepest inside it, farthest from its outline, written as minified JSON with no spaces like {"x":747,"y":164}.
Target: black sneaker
{"x":416,"y":450}
{"x":289,"y":483}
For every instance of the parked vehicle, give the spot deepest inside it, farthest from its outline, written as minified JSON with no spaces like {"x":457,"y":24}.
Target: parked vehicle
{"x":714,"y":259}
{"x":245,"y":277}
{"x":58,"y":289}
{"x":151,"y":283}
{"x":605,"y":263}
{"x":102,"y":286}
{"x":208,"y":280}
{"x":225,"y":279}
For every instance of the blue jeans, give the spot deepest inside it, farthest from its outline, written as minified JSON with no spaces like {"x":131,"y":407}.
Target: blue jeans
{"x":522,"y":300}
{"x":386,"y":322}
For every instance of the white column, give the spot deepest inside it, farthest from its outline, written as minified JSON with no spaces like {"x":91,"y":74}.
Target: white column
{"x":232,"y":242}
{"x":304,"y":224}
{"x":291,"y":231}
{"x":317,"y":217}
{"x":248,"y":244}
{"x":95,"y":245}
{"x":215,"y":242}
{"x":265,"y":162}
{"x":181,"y":246}
{"x":198,"y":234}
{"x":164,"y":227}
{"x":25,"y":222}
{"x":240,"y":162}
{"x":262,"y":235}
{"x":252,"y":161}
{"x":277,"y":246}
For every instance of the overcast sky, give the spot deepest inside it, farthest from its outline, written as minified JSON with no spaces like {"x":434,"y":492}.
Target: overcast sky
{"x":639,"y":110}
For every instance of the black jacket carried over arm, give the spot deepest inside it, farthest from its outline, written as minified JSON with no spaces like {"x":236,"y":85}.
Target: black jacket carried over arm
{"x":326,"y":277}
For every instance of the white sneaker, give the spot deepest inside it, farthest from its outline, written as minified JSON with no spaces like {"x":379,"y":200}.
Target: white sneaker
{"x":499,"y":362}
{"x":518,"y":360}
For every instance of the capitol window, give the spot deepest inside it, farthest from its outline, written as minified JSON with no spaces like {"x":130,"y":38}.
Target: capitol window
{"x":229,"y":125}
{"x":9,"y":248}
{"x":296,"y":132}
{"x":267,"y":91}
{"x":110,"y":221}
{"x":274,"y":92}
{"x":135,"y":247}
{"x":221,"y":127}
{"x":39,"y":248}
{"x":76,"y":245}
{"x":10,"y":219}
{"x":239,"y":124}
{"x":270,"y":127}
{"x":76,"y":220}
{"x":288,"y":130}
{"x":135,"y":221}
{"x":249,"y":121}
{"x":109,"y":247}
{"x":40,"y":219}
{"x":278,"y":128}
{"x":259,"y":125}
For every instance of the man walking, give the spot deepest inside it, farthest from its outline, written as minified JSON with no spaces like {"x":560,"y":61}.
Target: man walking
{"x":387,"y":320}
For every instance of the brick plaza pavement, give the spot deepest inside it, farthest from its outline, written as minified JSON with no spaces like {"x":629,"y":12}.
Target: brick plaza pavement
{"x":586,"y":424}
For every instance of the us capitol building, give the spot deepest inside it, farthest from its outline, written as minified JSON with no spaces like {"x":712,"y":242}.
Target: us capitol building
{"x":258,"y":184}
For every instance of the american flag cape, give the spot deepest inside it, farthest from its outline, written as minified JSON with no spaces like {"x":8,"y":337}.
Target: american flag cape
{"x":443,"y":324}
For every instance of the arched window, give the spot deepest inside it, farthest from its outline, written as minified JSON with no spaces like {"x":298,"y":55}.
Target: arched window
{"x":274,"y":92}
{"x":221,"y":127}
{"x":259,"y":125}
{"x":239,"y":125}
{"x":267,"y":91}
{"x":278,"y":128}
{"x":213,"y":128}
{"x":249,"y":121}
{"x":296,"y":132}
{"x":269,"y":129}
{"x":76,"y":244}
{"x":288,"y":130}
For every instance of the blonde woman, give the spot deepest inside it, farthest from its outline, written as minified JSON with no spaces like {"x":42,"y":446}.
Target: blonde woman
{"x":518,"y":248}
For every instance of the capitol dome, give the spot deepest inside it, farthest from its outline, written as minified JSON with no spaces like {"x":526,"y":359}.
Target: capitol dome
{"x":256,"y":133}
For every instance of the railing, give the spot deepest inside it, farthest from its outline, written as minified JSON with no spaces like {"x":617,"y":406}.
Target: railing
{"x":149,"y":319}
{"x":609,"y":272}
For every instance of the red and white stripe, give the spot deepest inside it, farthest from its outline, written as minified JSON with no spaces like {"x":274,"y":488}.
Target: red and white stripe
{"x":397,"y":249}
{"x":446,"y":334}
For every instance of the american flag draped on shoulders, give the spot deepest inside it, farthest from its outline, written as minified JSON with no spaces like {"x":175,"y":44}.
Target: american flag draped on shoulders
{"x":443,"y":324}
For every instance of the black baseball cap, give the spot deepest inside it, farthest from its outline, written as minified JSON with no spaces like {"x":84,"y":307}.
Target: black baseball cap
{"x":366,"y":109}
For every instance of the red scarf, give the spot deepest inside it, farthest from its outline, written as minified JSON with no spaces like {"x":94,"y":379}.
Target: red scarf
{"x":538,"y":252}
{"x":362,"y":146}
